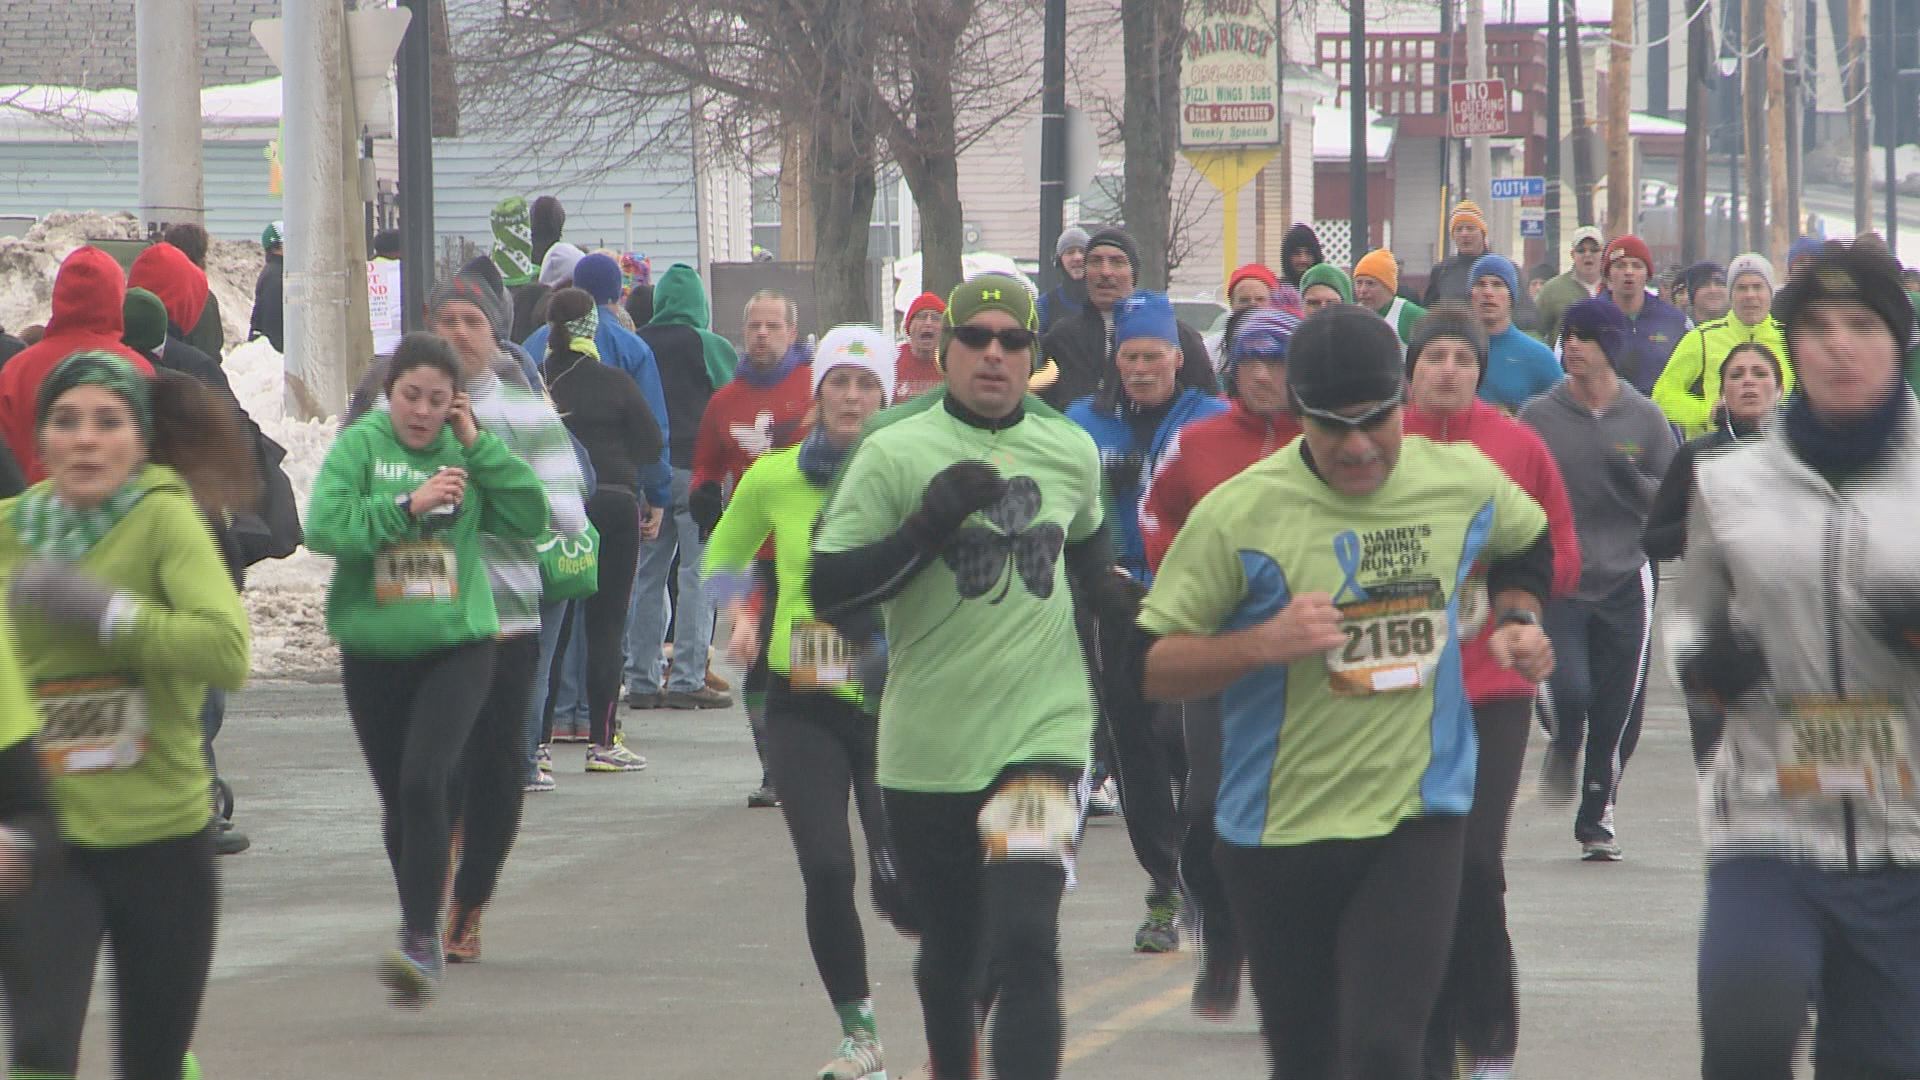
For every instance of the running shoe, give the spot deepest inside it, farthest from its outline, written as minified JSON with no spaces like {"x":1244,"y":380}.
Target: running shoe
{"x":701,"y":698}
{"x":605,"y":759}
{"x":762,"y":797}
{"x":543,"y":758}
{"x":229,"y":840}
{"x":411,"y":972}
{"x":619,"y":750}
{"x":463,"y":934}
{"x":1600,"y":849}
{"x":1160,"y":933}
{"x":1558,"y":782}
{"x":541,"y":782}
{"x":1105,"y":800}
{"x":858,"y":1058}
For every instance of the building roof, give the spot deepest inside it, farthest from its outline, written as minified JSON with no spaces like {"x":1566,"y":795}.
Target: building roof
{"x":91,"y":43}
{"x":1333,"y":134}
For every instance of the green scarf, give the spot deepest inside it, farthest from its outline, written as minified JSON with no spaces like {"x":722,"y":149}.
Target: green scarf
{"x":581,"y":333}
{"x":55,"y":529}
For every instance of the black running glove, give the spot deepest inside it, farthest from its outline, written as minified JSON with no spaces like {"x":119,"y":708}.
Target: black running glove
{"x":704,"y":506}
{"x":1724,"y":667}
{"x":952,"y":496}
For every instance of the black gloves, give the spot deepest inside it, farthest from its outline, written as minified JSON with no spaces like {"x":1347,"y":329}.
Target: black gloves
{"x":952,"y":496}
{"x":1724,"y":667}
{"x":704,"y":506}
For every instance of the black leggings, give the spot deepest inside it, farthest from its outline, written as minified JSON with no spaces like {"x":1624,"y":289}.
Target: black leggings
{"x":412,"y":718}
{"x":1149,"y":759}
{"x":989,"y":930}
{"x":1347,"y":941}
{"x":1206,"y":888}
{"x":155,"y":904}
{"x":616,"y":514}
{"x":491,"y":786}
{"x":820,"y":746}
{"x":1479,"y":1004}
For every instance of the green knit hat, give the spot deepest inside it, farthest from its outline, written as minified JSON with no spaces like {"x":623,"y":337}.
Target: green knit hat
{"x":513,"y":242}
{"x":98,"y":367}
{"x":988,"y":292}
{"x":1329,"y":275}
{"x":145,"y":317}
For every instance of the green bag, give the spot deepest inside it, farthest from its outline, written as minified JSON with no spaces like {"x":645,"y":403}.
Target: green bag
{"x":569,"y":565}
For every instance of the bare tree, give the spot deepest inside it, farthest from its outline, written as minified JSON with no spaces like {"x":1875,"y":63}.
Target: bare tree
{"x":1152,"y":33}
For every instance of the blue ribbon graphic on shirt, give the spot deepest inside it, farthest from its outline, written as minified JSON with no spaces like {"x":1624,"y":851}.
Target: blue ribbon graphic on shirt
{"x":1346,"y":549}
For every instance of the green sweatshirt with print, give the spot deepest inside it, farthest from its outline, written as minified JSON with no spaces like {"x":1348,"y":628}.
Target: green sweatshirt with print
{"x":112,"y":785}
{"x":404,"y":585}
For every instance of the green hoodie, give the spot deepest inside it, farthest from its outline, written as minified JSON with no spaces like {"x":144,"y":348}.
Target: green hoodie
{"x":680,"y":300}
{"x":1328,"y":274}
{"x":188,"y":631}
{"x":354,"y":516}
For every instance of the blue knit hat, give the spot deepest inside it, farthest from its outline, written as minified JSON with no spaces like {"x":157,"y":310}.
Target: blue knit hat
{"x":1263,"y":333}
{"x":1599,"y":320}
{"x":1491,"y":265}
{"x":600,"y":277}
{"x":1806,"y":247}
{"x":1145,"y":314}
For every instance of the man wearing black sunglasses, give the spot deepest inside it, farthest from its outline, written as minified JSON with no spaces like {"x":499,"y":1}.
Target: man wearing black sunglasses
{"x":1319,"y":591}
{"x":1082,"y":347}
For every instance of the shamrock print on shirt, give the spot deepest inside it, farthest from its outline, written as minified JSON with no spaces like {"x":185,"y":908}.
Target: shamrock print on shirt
{"x":979,"y":557}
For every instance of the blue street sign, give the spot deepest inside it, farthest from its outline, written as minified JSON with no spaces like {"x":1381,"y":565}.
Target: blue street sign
{"x":1533,"y":229}
{"x":1520,"y":187}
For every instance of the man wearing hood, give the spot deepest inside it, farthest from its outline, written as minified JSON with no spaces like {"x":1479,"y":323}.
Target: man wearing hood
{"x":1689,"y":386}
{"x":209,"y":334}
{"x":1081,"y":349}
{"x":269,"y":308}
{"x":1066,"y":299}
{"x":168,"y":275}
{"x":1300,"y":250}
{"x":917,"y":369}
{"x":88,"y":292}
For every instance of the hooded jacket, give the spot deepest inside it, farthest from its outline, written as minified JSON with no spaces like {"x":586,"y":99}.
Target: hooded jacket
{"x":1689,"y":386}
{"x":1521,"y":454}
{"x":1765,"y":540}
{"x":1063,"y":301}
{"x":694,"y":361}
{"x":1300,"y":236}
{"x":1201,"y":457}
{"x":620,"y":348}
{"x":1128,"y":465}
{"x":166,"y":272}
{"x":87,"y":296}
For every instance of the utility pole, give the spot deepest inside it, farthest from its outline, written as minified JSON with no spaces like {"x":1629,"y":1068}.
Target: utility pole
{"x":1553,"y":137}
{"x":167,"y":54}
{"x":1053,"y":139}
{"x":1620,"y":193}
{"x":1577,"y":102}
{"x":1480,"y":152}
{"x":1753,"y":100}
{"x":1359,"y":219}
{"x":1886,"y":110}
{"x":1856,"y":88}
{"x":1693,"y":159}
{"x":1797,"y":84}
{"x":416,"y":165}
{"x":1781,"y":219}
{"x":1659,"y":23}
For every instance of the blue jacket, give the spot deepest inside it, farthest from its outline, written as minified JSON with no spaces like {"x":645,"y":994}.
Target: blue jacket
{"x":623,"y":349}
{"x":1650,"y":341}
{"x":1128,"y":466}
{"x":1518,"y":368}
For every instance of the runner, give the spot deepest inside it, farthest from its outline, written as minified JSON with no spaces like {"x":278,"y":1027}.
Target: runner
{"x":917,"y":369}
{"x":400,"y":504}
{"x":123,"y":616}
{"x":988,"y":710}
{"x":1689,"y":388}
{"x":1585,"y":279}
{"x":1324,"y":285}
{"x":1376,"y":285}
{"x":1349,"y":756}
{"x":1134,"y":419}
{"x":820,"y":738}
{"x":1613,"y":447}
{"x":1813,"y":847}
{"x":1749,"y":380}
{"x":1653,"y":326}
{"x":1478,"y":1014}
{"x":1202,"y":456}
{"x":1518,"y":368}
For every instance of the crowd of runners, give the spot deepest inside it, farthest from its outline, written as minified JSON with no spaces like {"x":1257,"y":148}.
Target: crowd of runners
{"x":1296,"y":589}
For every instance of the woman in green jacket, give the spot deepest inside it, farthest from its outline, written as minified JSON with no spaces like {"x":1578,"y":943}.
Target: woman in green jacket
{"x":400,"y":504}
{"x":123,"y":616}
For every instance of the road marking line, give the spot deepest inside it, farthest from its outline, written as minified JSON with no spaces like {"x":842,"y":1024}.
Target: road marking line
{"x":1144,"y":968}
{"x":1122,"y":1023}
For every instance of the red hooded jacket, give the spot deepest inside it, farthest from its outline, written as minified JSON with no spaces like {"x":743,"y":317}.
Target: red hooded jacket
{"x":87,"y":294}
{"x":1201,"y":457}
{"x":166,"y":272}
{"x":1520,"y":453}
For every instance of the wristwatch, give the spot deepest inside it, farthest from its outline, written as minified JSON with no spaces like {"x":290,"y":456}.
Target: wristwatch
{"x":1517,"y":617}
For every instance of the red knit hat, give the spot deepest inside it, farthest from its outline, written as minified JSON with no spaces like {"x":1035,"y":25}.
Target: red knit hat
{"x":1256,"y":272}
{"x":1629,"y":246}
{"x":926,"y":301}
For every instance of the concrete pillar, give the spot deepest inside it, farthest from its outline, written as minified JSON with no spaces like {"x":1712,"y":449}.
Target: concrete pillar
{"x":167,"y":50}
{"x":316,"y":271}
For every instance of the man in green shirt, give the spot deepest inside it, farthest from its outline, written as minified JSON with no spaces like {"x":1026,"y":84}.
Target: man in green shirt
{"x":973,"y":524}
{"x":1581,"y":281}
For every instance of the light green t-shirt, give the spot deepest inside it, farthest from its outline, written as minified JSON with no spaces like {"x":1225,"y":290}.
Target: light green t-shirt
{"x":1350,"y":744}
{"x":984,"y":662}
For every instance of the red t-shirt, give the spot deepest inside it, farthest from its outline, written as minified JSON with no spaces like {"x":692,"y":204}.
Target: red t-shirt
{"x":1201,"y":457}
{"x":743,"y":421}
{"x":913,"y":376}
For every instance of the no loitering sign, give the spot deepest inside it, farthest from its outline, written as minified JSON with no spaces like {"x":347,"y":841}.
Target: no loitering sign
{"x":1479,"y":108}
{"x":1230,"y":75}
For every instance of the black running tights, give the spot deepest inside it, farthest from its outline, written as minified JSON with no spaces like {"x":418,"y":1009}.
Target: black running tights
{"x":491,"y":786}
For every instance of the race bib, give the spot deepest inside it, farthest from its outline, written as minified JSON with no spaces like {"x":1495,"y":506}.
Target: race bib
{"x":1030,"y":817}
{"x":819,"y":658}
{"x":417,"y":570}
{"x":91,"y":723}
{"x":1855,"y":747}
{"x":1394,"y":640}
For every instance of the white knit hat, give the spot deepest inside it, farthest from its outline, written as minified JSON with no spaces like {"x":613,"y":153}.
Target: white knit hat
{"x":1751,"y":263}
{"x":855,"y":345}
{"x":559,"y":263}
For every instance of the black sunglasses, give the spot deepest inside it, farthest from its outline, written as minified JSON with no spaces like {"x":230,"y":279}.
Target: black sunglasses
{"x":1586,"y":248}
{"x":1366,"y":421}
{"x":1014,"y":339}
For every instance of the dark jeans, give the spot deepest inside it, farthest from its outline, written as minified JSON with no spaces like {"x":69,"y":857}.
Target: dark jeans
{"x":1778,"y":934}
{"x":1347,"y":942}
{"x":820,"y":747}
{"x":155,"y":905}
{"x":1598,"y":689}
{"x":1479,"y":1005}
{"x":490,"y":789}
{"x":988,"y":930}
{"x":616,"y":515}
{"x":412,"y":718}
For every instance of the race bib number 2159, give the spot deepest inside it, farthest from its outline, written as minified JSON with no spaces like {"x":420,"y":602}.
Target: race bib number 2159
{"x":1394,"y":640}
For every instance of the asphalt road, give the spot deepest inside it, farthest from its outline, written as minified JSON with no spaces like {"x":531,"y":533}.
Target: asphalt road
{"x":650,"y":925}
